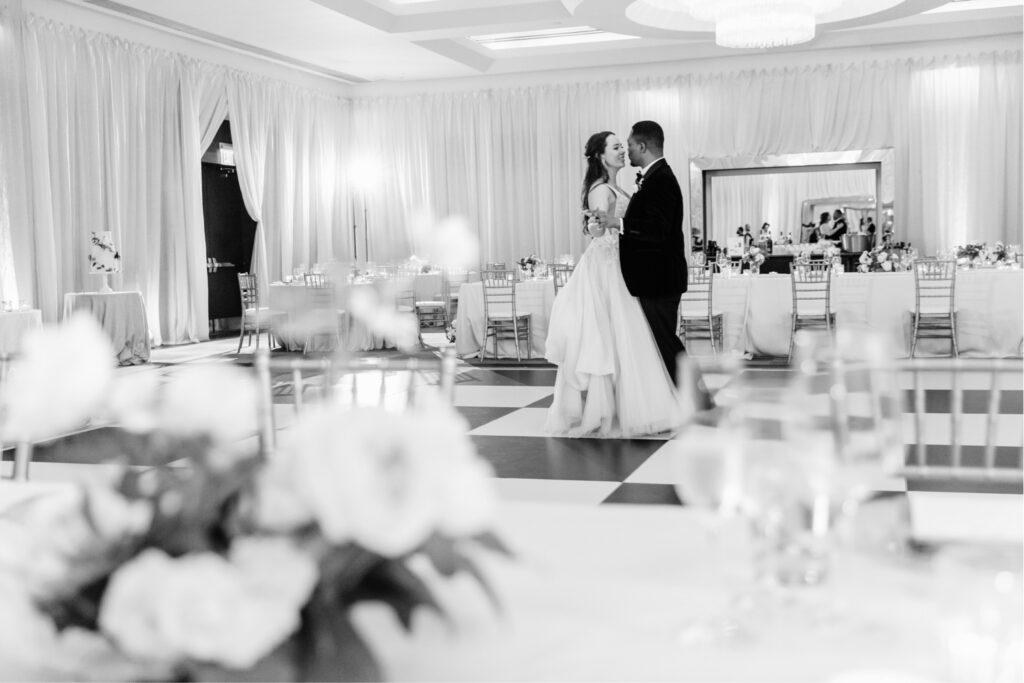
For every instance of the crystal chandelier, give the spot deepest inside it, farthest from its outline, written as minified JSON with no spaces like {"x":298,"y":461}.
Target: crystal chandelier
{"x":760,"y":23}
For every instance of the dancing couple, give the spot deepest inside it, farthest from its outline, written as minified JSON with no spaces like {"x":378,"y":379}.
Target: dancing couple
{"x":612,"y":332}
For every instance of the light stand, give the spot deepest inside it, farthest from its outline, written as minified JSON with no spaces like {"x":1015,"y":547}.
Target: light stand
{"x":366,"y":229}
{"x":355,"y":238}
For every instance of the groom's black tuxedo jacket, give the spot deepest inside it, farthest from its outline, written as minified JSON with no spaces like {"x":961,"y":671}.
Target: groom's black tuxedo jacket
{"x":651,"y":247}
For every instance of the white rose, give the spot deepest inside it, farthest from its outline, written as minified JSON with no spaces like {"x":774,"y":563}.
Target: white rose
{"x":60,"y":381}
{"x":887,"y":266}
{"x":28,"y":637}
{"x":365,"y":477}
{"x":59,"y":542}
{"x":132,"y":401}
{"x":278,"y":506}
{"x":275,"y":567}
{"x":467,"y":496}
{"x":200,"y":607}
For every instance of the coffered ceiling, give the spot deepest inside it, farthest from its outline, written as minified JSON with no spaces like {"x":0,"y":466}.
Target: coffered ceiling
{"x":359,"y":41}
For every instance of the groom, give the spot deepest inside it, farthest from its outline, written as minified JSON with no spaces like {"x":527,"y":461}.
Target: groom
{"x":651,"y":250}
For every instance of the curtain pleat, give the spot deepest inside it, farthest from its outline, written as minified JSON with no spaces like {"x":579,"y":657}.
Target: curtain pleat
{"x":104,"y":134}
{"x":511,"y":160}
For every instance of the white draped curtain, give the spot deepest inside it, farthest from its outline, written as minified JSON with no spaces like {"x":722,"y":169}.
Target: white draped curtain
{"x":511,"y":160}
{"x":103,"y":134}
{"x":99,"y":133}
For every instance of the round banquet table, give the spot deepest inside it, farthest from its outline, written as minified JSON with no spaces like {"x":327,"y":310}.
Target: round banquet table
{"x":293,"y":299}
{"x":535,"y":297}
{"x":122,"y":316}
{"x":989,"y":302}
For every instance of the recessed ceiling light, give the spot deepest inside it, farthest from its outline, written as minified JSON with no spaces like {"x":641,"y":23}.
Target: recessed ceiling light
{"x":546,"y":37}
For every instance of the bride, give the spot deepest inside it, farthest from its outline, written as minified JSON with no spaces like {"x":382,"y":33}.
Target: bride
{"x":611,"y":380}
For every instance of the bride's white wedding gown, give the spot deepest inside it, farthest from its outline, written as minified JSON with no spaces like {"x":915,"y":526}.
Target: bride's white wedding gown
{"x":611,"y":380}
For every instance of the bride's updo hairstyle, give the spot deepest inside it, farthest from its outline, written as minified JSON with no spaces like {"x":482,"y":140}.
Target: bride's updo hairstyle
{"x":595,"y":169}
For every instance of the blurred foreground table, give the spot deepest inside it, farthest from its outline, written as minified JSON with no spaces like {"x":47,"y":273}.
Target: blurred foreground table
{"x":122,"y":315}
{"x":602,"y":593}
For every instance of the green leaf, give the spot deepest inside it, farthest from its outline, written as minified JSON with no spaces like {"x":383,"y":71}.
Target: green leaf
{"x":329,"y":648}
{"x":492,"y":542}
{"x":396,"y":585}
{"x":442,"y":553}
{"x":471,"y":567}
{"x":343,"y":568}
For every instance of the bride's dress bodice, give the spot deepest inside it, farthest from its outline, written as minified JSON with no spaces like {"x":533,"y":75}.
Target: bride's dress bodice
{"x":608,"y":243}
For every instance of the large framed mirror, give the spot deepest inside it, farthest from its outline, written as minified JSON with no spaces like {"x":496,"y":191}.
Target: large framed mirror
{"x":791,"y":193}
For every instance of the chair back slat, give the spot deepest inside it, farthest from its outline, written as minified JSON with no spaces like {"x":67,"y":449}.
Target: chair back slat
{"x":991,"y":450}
{"x":934,"y":302}
{"x":248,"y":290}
{"x":321,"y":377}
{"x":811,"y":294}
{"x":560,"y":274}
{"x":696,"y":316}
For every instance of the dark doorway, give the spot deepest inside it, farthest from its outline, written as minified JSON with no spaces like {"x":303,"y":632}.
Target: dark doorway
{"x":230,"y":233}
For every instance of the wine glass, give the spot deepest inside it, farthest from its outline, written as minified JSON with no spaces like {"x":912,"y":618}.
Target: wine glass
{"x":844,"y":436}
{"x":708,"y":456}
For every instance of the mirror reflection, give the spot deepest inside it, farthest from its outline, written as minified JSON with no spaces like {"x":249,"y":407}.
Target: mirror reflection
{"x":791,"y":206}
{"x":792,"y":198}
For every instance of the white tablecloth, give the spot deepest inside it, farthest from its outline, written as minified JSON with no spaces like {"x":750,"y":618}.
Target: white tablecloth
{"x":990,"y":311}
{"x":123,"y":317}
{"x":600,"y":594}
{"x":532,"y":296}
{"x":14,"y":325}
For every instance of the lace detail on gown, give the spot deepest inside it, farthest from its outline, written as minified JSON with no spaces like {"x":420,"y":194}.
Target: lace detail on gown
{"x":611,"y":380}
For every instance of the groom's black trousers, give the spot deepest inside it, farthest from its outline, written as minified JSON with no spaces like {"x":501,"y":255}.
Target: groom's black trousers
{"x":662,"y":315}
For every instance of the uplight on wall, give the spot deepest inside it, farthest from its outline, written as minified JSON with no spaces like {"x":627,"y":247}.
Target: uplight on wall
{"x":365,"y":174}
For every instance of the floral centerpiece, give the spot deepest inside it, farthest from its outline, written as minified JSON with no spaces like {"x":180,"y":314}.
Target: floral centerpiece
{"x":967,"y":253}
{"x":1001,"y":254}
{"x":975,"y":254}
{"x":531,"y":265}
{"x":199,"y":560}
{"x":881,"y":259}
{"x":755,"y":257}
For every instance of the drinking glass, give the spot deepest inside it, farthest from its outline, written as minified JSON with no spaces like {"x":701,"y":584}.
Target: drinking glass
{"x":844,"y":436}
{"x":709,"y":458}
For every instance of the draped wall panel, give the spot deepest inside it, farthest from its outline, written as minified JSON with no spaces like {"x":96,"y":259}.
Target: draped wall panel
{"x":101,"y":133}
{"x":511,"y":159}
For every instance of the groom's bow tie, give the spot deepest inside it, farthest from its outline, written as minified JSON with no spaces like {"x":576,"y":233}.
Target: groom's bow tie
{"x":639,"y":178}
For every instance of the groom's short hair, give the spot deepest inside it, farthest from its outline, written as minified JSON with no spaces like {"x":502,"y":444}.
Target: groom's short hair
{"x":649,"y":133}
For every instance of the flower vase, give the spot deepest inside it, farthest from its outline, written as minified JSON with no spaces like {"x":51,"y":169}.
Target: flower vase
{"x":755,"y":268}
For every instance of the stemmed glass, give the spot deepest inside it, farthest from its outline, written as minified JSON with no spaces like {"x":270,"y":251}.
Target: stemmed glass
{"x":843,"y":437}
{"x":708,"y":474}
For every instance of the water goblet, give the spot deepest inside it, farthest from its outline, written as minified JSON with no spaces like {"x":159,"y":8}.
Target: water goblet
{"x":708,"y":459}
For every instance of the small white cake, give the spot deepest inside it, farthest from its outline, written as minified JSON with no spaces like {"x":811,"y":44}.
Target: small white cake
{"x":103,"y":257}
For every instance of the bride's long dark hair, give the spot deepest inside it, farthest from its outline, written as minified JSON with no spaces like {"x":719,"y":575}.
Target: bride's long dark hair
{"x":595,"y":169}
